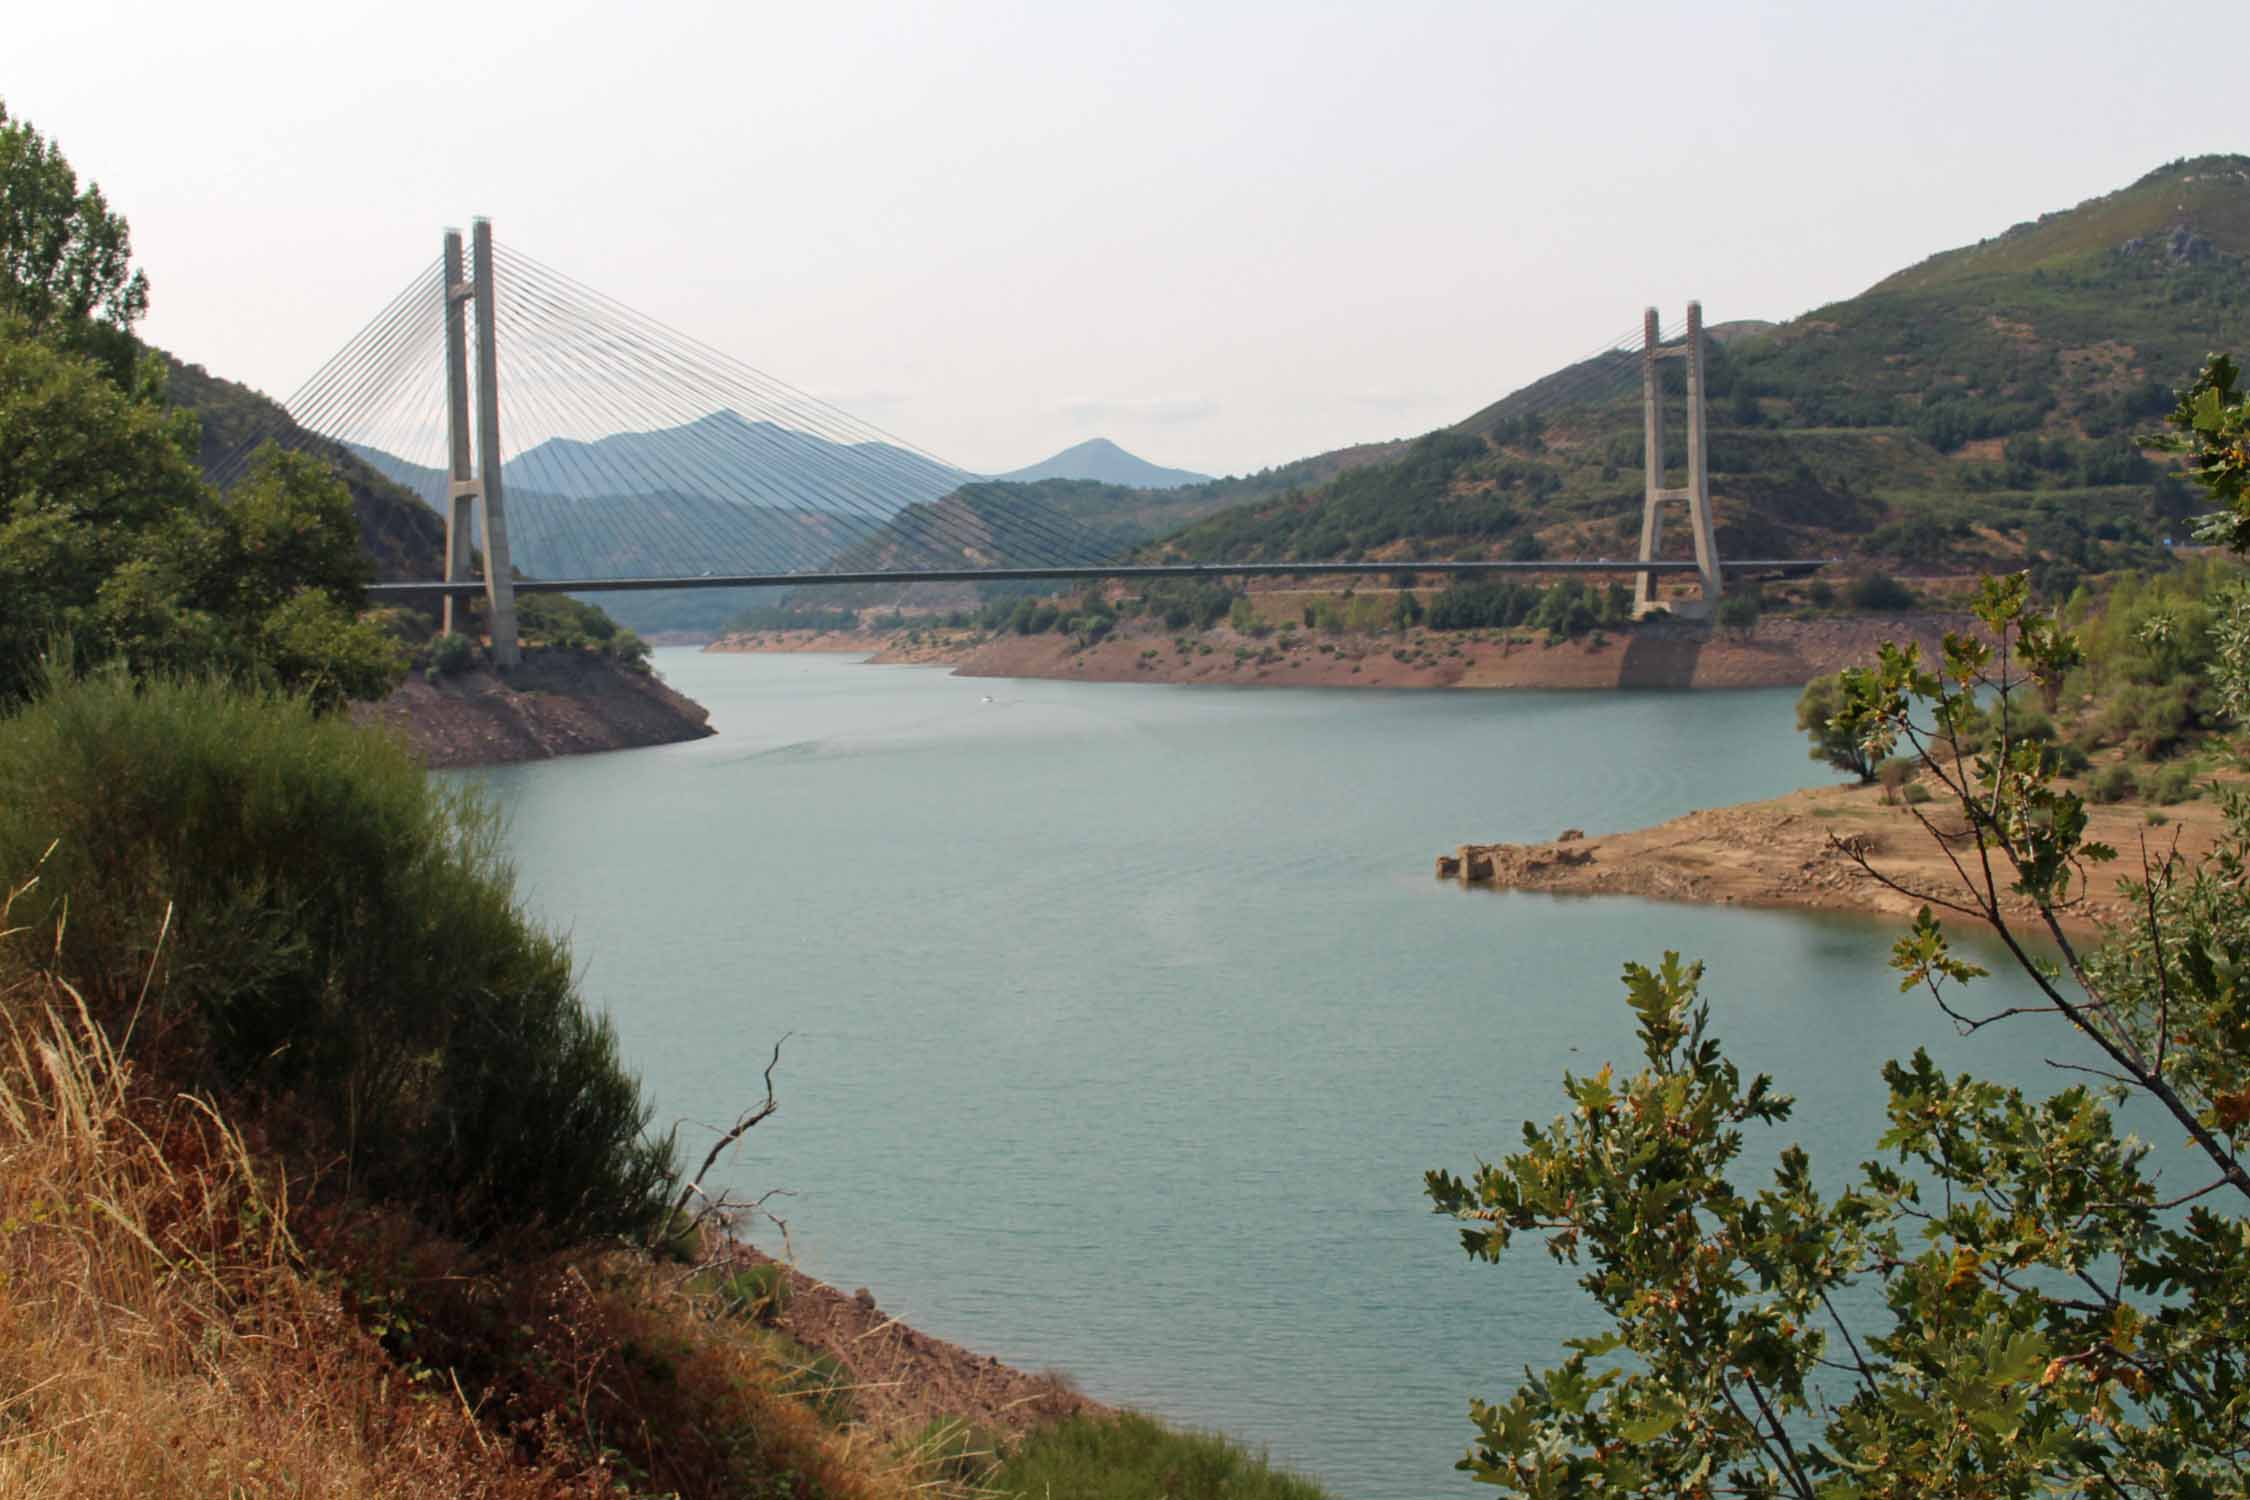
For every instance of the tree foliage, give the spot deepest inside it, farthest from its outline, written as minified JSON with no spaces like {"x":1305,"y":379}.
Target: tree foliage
{"x":2052,"y":1319}
{"x":1834,"y":739}
{"x":66,"y":259}
{"x":112,"y":545}
{"x":2212,"y":428}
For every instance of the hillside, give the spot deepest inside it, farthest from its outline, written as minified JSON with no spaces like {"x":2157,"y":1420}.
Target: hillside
{"x":1975,"y":410}
{"x":1100,"y":459}
{"x":405,"y":537}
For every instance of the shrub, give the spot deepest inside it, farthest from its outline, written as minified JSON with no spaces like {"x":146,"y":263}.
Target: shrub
{"x":1129,"y":1456}
{"x":451,"y":654}
{"x":2112,"y":783}
{"x":2167,"y":784}
{"x":1880,"y":591}
{"x":1739,"y":611}
{"x":1894,"y":774}
{"x":1916,"y":794}
{"x":628,"y":650}
{"x":314,"y":920}
{"x":1833,"y":742}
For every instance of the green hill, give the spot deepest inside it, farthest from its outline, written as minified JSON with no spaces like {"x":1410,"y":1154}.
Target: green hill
{"x":404,"y":537}
{"x":2208,"y":196}
{"x":1976,"y":410}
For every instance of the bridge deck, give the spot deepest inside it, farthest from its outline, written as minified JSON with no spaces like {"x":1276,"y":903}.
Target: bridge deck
{"x":1784,"y":567}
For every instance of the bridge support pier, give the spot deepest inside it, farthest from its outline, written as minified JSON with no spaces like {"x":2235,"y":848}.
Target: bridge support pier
{"x":1697,"y":491}
{"x":461,"y":487}
{"x":472,"y":489}
{"x":499,"y":574}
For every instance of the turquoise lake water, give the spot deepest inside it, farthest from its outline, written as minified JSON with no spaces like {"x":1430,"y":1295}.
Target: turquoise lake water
{"x":1124,"y":1020}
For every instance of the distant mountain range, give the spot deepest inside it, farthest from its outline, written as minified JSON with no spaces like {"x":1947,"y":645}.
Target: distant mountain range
{"x":1102,"y":460}
{"x":671,"y":501}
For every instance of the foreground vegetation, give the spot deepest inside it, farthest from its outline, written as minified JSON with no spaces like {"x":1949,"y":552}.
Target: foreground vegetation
{"x":2135,"y":711}
{"x":2012,"y":1297}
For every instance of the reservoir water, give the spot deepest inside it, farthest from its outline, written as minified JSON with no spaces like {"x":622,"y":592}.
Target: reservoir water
{"x":1124,"y":1020}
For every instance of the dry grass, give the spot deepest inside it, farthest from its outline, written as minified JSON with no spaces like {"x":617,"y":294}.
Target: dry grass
{"x":158,"y":1334}
{"x":163,"y":1331}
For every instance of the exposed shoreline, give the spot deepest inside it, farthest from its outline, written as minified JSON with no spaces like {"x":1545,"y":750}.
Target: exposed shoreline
{"x":904,"y":1379}
{"x":556,"y":703}
{"x":1798,"y":851}
{"x":1780,"y":652}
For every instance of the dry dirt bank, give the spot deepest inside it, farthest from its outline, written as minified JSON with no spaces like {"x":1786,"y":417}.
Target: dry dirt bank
{"x":1661,"y":654}
{"x":555,"y":703}
{"x":903,"y":1379}
{"x":1797,"y":851}
{"x":1658,"y":655}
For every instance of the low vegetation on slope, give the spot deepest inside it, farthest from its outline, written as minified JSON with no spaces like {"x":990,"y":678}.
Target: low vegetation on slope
{"x":2139,"y":712}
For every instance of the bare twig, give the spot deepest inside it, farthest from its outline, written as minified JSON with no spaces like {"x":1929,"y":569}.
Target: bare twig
{"x":764,"y":1110}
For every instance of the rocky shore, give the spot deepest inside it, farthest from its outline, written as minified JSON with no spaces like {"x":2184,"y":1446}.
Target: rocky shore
{"x":556,"y":702}
{"x":1780,"y":652}
{"x":1806,"y":850}
{"x":903,"y":1379}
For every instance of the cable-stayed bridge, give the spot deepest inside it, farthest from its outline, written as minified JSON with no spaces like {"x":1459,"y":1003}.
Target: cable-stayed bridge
{"x":619,"y":453}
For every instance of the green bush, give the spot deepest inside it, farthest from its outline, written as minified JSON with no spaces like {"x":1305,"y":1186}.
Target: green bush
{"x":2167,"y":784}
{"x":1131,"y":1457}
{"x":1916,"y":794}
{"x":314,"y":920}
{"x":2112,"y":783}
{"x":628,"y":650}
{"x":1880,"y":591}
{"x":1739,"y":611}
{"x":451,"y":654}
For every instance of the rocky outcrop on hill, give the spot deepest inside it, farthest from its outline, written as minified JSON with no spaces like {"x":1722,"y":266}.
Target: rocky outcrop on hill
{"x":558,"y":702}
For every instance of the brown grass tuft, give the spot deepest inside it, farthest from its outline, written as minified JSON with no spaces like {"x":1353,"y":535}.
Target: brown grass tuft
{"x":171,"y":1324}
{"x":158,"y":1332}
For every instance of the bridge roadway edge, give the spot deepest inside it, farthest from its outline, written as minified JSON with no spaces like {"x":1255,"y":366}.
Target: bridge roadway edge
{"x":388,"y":592}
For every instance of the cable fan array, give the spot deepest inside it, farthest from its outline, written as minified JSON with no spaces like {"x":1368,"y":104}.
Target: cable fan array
{"x":635,"y":451}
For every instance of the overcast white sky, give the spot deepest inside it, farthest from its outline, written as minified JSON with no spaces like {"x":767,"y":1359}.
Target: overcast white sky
{"x":1224,"y":234}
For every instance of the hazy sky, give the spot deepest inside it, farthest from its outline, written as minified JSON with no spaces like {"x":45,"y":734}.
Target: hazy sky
{"x":1224,"y":234}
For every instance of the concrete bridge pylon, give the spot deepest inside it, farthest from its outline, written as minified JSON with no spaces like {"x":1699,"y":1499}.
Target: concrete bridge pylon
{"x":477,"y":488}
{"x":1656,"y":495}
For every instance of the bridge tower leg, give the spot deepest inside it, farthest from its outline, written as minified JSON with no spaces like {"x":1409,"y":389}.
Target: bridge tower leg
{"x":499,"y":575}
{"x":460,"y":514}
{"x":1652,"y":463}
{"x":1697,"y":491}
